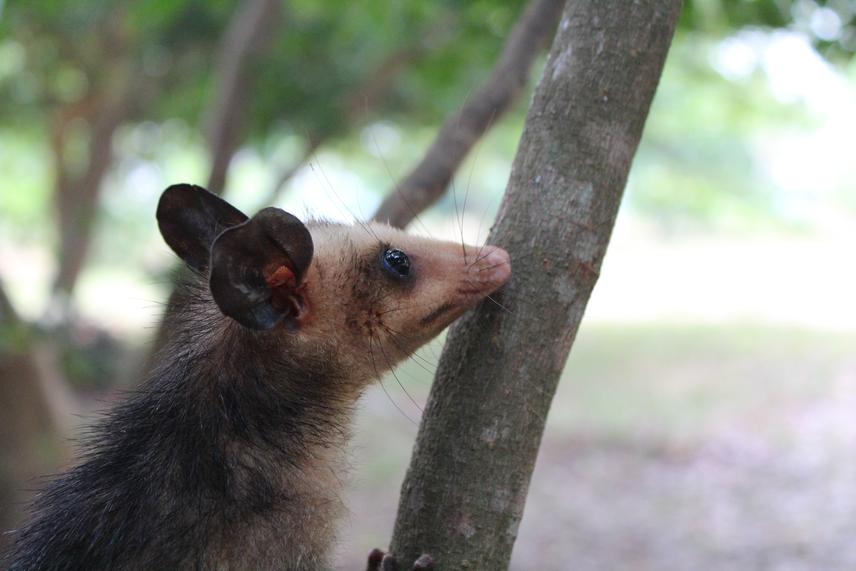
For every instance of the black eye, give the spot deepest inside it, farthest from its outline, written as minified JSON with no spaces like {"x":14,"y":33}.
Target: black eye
{"x":396,"y":262}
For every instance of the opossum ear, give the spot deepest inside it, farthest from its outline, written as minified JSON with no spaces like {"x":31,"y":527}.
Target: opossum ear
{"x":257,"y":270}
{"x":190,"y":217}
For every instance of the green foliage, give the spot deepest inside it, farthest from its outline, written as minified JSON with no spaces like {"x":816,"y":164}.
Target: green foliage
{"x":308,"y":81}
{"x":330,"y":53}
{"x":831,"y":24}
{"x":697,"y":164}
{"x":24,"y":187}
{"x":55,"y":51}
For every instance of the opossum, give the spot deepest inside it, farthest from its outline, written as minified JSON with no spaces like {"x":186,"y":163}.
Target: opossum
{"x":229,"y":457}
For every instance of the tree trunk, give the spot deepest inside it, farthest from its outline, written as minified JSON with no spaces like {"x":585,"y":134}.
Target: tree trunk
{"x":109,"y":102}
{"x":428,"y":181}
{"x":33,"y":430}
{"x":464,"y":493}
{"x":77,"y":197}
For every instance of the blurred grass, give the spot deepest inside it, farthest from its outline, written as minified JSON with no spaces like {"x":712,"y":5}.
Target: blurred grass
{"x":671,"y":422}
{"x":662,"y":379}
{"x":681,"y":380}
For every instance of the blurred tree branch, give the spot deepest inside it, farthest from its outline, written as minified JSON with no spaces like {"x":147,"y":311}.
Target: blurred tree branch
{"x":427,"y":182}
{"x":463,"y":497}
{"x":354,"y":107}
{"x":250,"y":30}
{"x":312,"y":143}
{"x":34,"y":429}
{"x":102,"y":109}
{"x":77,"y":196}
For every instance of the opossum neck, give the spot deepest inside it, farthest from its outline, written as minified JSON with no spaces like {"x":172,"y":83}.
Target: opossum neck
{"x":264,"y":434}
{"x":249,"y":388}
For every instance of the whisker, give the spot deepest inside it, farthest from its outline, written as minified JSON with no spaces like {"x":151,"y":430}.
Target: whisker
{"x":478,"y":232}
{"x":430,"y":347}
{"x":380,"y":299}
{"x":470,"y":282}
{"x":395,"y":185}
{"x":480,"y":258}
{"x":392,"y":310}
{"x":403,"y":307}
{"x":380,"y":381}
{"x":494,"y":266}
{"x":457,"y":216}
{"x":392,"y":370}
{"x":499,"y":304}
{"x":412,"y":356}
{"x":490,"y":204}
{"x":428,"y":367}
{"x":365,"y":226}
{"x":470,"y":179}
{"x":460,"y":226}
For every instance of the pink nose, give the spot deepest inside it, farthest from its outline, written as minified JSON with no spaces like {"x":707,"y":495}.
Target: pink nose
{"x":495,"y":265}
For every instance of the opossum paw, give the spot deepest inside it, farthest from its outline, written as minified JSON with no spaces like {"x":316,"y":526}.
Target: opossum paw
{"x":380,"y":561}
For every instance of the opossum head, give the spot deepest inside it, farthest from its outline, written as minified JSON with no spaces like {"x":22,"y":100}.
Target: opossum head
{"x":361,"y":297}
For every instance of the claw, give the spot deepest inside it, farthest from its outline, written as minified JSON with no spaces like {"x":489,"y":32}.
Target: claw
{"x":375,"y":559}
{"x":380,"y":561}
{"x":389,"y":563}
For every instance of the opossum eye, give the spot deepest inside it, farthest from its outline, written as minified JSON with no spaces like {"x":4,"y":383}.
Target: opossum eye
{"x":396,"y":262}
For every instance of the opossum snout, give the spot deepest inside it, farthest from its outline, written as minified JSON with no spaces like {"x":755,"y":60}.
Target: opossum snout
{"x":493,"y":266}
{"x":486,"y":271}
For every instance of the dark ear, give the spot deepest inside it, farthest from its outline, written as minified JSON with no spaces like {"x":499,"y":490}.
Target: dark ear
{"x":190,"y":217}
{"x":257,"y":270}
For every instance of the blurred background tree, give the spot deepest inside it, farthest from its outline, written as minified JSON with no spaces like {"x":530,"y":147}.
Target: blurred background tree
{"x":323,"y":106}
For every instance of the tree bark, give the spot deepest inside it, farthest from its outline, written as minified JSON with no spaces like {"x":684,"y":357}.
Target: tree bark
{"x":429,"y":180}
{"x":251,"y":28}
{"x":465,"y":490}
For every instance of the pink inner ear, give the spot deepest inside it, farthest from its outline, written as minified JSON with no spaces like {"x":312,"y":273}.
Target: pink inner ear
{"x":282,"y":276}
{"x":284,"y":291}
